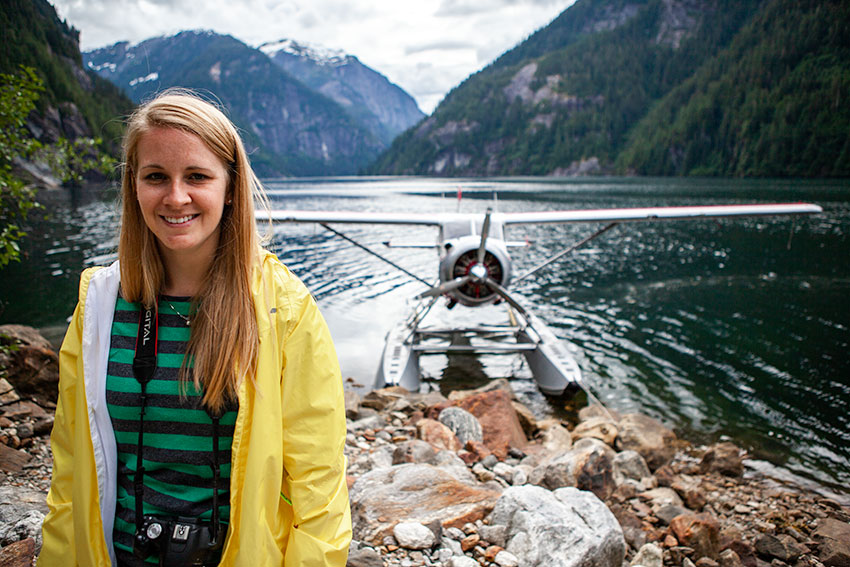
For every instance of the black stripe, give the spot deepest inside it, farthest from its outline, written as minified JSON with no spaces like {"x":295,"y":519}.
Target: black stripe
{"x":200,"y":458}
{"x":175,"y":428}
{"x":171,"y":401}
{"x":126,"y":371}
{"x":129,"y":343}
{"x":170,"y":476}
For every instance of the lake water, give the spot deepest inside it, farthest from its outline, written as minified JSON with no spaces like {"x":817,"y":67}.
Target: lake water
{"x":733,"y":329}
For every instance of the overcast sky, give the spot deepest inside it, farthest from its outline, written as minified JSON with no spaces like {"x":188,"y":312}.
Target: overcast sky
{"x":425,"y":46}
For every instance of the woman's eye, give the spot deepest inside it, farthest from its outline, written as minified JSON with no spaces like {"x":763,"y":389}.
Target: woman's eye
{"x":154,"y":177}
{"x":197,"y":177}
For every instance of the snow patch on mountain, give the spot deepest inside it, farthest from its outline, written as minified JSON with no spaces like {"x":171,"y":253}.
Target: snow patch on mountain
{"x":319,"y":54}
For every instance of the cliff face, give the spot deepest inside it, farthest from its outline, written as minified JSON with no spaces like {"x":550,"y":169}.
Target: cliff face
{"x":75,"y":102}
{"x":366,"y":95}
{"x":620,"y":86}
{"x":291,"y":129}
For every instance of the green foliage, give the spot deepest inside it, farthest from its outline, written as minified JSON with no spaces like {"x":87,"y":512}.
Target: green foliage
{"x":67,"y":159}
{"x":32,"y":35}
{"x":18,"y":94}
{"x":769,"y":105}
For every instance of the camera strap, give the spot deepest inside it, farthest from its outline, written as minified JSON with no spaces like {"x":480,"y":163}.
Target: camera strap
{"x":144,"y":366}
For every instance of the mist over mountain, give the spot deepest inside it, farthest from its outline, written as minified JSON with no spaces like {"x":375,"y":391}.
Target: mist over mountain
{"x":653,"y":87}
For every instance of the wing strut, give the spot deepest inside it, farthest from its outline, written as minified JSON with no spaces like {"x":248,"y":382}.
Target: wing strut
{"x":373,"y":253}
{"x":562,"y":253}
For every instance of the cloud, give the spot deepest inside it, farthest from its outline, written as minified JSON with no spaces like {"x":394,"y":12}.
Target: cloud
{"x":426,"y":47}
{"x":448,"y":45}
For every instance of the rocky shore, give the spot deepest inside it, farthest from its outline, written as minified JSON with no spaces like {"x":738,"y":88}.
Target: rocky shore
{"x":476,"y":479}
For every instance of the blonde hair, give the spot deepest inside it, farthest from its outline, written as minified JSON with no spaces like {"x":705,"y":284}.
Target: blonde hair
{"x":224,"y":339}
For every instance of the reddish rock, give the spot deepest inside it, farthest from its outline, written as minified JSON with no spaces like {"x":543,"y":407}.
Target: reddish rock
{"x":691,"y":492}
{"x":723,"y":458}
{"x":469,"y":542}
{"x":18,"y":554}
{"x":491,"y":552}
{"x":12,"y":460}
{"x":700,"y":532}
{"x":526,"y":419}
{"x":745,"y":552}
{"x":495,"y":412}
{"x":437,"y":435}
{"x":478,"y":448}
{"x":415,"y":492}
{"x":834,"y":539}
{"x":468,"y":457}
{"x":33,"y":367}
{"x":415,"y":417}
{"x":433,"y":412}
{"x":665,"y":475}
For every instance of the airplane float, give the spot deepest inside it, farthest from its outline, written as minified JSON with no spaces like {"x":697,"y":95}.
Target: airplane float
{"x":475,"y":269}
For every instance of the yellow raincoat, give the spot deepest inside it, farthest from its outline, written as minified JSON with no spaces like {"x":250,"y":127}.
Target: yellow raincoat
{"x":289,"y":436}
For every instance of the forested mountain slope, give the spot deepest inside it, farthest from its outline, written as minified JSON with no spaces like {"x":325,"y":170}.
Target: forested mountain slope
{"x":654,"y":87}
{"x":74,"y":102}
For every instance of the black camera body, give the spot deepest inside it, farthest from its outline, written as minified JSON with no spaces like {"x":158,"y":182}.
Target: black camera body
{"x":184,"y":541}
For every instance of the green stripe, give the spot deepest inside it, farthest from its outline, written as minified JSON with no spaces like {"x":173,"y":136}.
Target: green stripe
{"x":163,"y":360}
{"x":173,"y":441}
{"x":170,"y":414}
{"x":159,"y":387}
{"x":124,"y":329}
{"x":123,"y":305}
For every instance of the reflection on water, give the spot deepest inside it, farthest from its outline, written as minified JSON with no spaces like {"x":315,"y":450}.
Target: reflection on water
{"x":716,"y":328}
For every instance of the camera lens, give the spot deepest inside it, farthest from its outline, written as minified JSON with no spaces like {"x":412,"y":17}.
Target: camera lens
{"x":154,"y":530}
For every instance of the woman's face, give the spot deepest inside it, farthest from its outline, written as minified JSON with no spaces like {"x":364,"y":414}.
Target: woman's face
{"x":181,"y":187}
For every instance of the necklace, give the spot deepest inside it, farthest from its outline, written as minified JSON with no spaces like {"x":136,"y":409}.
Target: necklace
{"x":187,"y":319}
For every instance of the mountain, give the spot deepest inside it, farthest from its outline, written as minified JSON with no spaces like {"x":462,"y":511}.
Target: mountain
{"x":368,"y":96}
{"x":290,"y":128}
{"x":75,"y":103}
{"x":661,"y":87}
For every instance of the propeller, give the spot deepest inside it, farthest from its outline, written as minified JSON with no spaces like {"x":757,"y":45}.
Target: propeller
{"x":445,"y":287}
{"x":478,"y":271}
{"x":485,"y":229}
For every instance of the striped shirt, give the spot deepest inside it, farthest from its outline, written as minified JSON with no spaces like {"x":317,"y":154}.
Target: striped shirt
{"x":178,"y":435}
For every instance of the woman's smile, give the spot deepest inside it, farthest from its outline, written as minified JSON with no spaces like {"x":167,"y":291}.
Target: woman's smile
{"x":181,"y":186}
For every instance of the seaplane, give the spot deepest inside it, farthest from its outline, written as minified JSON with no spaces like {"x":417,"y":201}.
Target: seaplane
{"x":475,"y":269}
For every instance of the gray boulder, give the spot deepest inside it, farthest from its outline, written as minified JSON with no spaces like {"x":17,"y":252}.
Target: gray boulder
{"x":564,"y":528}
{"x":465,"y":425}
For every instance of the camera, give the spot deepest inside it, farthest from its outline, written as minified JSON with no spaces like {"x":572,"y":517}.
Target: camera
{"x":184,"y":541}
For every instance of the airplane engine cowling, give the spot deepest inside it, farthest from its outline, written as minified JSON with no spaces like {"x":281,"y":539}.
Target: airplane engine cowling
{"x":461,"y":255}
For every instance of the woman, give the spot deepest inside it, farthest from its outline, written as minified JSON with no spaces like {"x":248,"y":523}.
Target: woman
{"x":200,"y":356}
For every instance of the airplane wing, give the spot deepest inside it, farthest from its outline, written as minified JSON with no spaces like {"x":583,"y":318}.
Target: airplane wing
{"x":657,"y":213}
{"x":355,"y":217}
{"x":573,"y":216}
